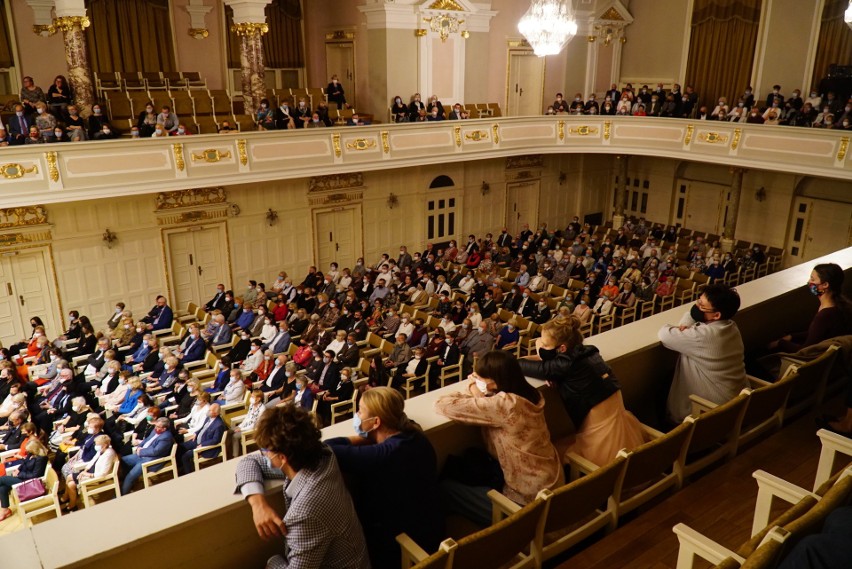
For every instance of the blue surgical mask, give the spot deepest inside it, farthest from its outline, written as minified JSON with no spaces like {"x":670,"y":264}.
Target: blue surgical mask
{"x":814,"y":290}
{"x":356,"y":424}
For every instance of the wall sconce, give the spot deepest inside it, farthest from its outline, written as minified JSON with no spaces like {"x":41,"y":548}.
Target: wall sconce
{"x":393,"y":201}
{"x":485,"y":188}
{"x":109,"y":238}
{"x":271,"y":217}
{"x":760,"y":194}
{"x":562,"y":177}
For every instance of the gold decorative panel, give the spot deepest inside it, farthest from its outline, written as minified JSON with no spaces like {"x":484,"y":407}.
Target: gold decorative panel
{"x":607,"y":130}
{"x":336,"y":182}
{"x":52,"y":167}
{"x":612,"y":15}
{"x":457,"y":134}
{"x":177,"y":218}
{"x":191,"y":198}
{"x":335,"y":139}
{"x":844,"y":147}
{"x":690,"y":130}
{"x":13,"y":171}
{"x":361,"y":144}
{"x":476,"y":135}
{"x":337,"y":198}
{"x":736,"y":142}
{"x":583,"y":130}
{"x":713,"y":137}
{"x":241,"y":148}
{"x":528,"y":161}
{"x":178,"y":151}
{"x":386,"y":141}
{"x":22,"y":216}
{"x":211,"y":155}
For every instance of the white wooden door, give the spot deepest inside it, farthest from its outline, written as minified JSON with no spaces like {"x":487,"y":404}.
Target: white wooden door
{"x":34,"y":292}
{"x":705,"y":206}
{"x":11,"y":326}
{"x":340,"y":61}
{"x":526,"y":84}
{"x":820,"y":227}
{"x":337,"y":237}
{"x":522,"y":205}
{"x":26,"y":292}
{"x":197,"y":263}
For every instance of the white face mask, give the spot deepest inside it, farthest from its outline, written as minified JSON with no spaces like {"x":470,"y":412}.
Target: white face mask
{"x":481,"y":385}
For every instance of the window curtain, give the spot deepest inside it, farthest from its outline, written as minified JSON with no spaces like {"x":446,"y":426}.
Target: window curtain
{"x":6,"y":59}
{"x":282,"y":44}
{"x":130,"y":35}
{"x":721,"y":48}
{"x":835,"y":40}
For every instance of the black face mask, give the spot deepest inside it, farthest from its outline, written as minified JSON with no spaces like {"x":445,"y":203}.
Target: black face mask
{"x":696,"y":313}
{"x":546,"y":354}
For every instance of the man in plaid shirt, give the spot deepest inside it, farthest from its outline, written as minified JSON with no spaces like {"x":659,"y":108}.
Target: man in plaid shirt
{"x":320,"y":525}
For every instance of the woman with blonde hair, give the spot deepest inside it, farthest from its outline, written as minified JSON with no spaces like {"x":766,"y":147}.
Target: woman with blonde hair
{"x":33,"y":466}
{"x":124,"y":332}
{"x":589,"y":390}
{"x":383,"y":461}
{"x":100,"y":465}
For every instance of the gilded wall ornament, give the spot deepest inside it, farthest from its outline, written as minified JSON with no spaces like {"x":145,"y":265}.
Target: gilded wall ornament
{"x":23,"y":216}
{"x":191,"y":198}
{"x":526,"y":161}
{"x":336,"y":182}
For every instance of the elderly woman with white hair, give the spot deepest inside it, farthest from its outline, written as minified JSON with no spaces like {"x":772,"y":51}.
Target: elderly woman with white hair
{"x":99,"y":465}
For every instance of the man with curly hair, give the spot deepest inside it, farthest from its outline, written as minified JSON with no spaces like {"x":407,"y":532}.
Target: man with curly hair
{"x":320,"y":524}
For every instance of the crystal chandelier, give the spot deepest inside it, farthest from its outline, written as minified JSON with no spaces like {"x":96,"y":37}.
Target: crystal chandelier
{"x":847,"y":16}
{"x":548,"y":26}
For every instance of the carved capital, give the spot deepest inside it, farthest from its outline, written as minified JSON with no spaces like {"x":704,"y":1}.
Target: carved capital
{"x":249,"y":28}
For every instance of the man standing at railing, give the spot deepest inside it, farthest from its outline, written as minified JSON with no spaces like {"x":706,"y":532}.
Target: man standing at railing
{"x":711,"y":352}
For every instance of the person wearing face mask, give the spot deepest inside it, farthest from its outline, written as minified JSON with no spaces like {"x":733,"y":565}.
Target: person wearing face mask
{"x":158,"y":444}
{"x":335,"y":92}
{"x":253,"y":360}
{"x":588,"y":388}
{"x":75,"y":125}
{"x":387,"y":441}
{"x":99,"y":465}
{"x":168,"y":120}
{"x":399,"y":110}
{"x":35,"y":324}
{"x":710,"y":349}
{"x":210,"y":433}
{"x":19,"y":125}
{"x":85,"y":439}
{"x":302,"y":113}
{"x":508,"y":336}
{"x":522,"y":459}
{"x":146,"y":123}
{"x":284,"y":116}
{"x":478,"y":342}
{"x":833,"y":317}
{"x":248,"y":422}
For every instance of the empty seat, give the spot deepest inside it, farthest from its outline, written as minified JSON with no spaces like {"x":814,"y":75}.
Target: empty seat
{"x":193,"y":80}
{"x":119,"y":106}
{"x":153,"y":80}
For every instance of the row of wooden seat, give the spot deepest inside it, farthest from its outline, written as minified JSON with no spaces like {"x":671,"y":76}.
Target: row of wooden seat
{"x":474,"y":111}
{"x":147,"y":80}
{"x":598,"y":496}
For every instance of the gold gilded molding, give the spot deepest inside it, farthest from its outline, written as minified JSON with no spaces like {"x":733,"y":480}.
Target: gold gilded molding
{"x":338,"y":198}
{"x":446,"y":5}
{"x":68,"y":23}
{"x":476,"y":135}
{"x":607,"y":129}
{"x":13,"y":171}
{"x":386,"y":141}
{"x":583,"y":130}
{"x":561,"y":130}
{"x":736,"y":142}
{"x":713,"y":137}
{"x":335,"y":139}
{"x":612,"y":15}
{"x":44,"y":29}
{"x":211,"y":155}
{"x":457,"y":134}
{"x":191,"y":198}
{"x":340,"y":35}
{"x":178,"y":151}
{"x":519,"y":43}
{"x":52,"y":167}
{"x":420,"y":32}
{"x":495,"y":130}
{"x":360,"y":144}
{"x":690,"y":130}
{"x":527,"y":161}
{"x":241,"y":148}
{"x":844,"y":147}
{"x":336,"y":182}
{"x":249,"y":28}
{"x":7,"y":239}
{"x":199,"y":33}
{"x":22,"y":216}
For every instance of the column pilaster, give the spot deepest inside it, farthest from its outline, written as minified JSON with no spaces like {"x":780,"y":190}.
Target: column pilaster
{"x":77,"y":60}
{"x":621,"y":198}
{"x":733,"y":209}
{"x":252,"y":63}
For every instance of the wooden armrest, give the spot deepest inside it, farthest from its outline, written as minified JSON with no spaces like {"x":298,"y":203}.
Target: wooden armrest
{"x":193,"y":364}
{"x":757,"y":382}
{"x":237,"y":419}
{"x":94,"y":481}
{"x":410,"y":549}
{"x":768,"y":488}
{"x":156,"y":461}
{"x":199,"y":450}
{"x":339,"y":404}
{"x":693,"y":543}
{"x":501,"y":506}
{"x":651,"y":432}
{"x":699,"y":404}
{"x":580,"y":463}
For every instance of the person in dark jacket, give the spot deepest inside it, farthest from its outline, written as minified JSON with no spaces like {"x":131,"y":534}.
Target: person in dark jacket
{"x":589,"y":390}
{"x":382,"y":462}
{"x":33,"y":466}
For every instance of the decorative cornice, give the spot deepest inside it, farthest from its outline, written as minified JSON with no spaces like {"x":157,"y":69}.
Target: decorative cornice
{"x":445,"y":5}
{"x":22,"y":216}
{"x":198,"y":33}
{"x":68,"y":23}
{"x":527,"y":161}
{"x":335,"y":182}
{"x":191,"y":198}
